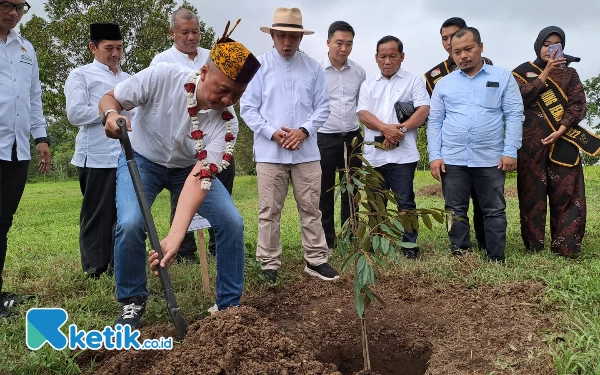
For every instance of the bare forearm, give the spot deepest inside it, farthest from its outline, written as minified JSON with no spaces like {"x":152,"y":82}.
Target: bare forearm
{"x":190,"y":199}
{"x":107,"y":102}
{"x":371,"y":121}
{"x":418,"y":118}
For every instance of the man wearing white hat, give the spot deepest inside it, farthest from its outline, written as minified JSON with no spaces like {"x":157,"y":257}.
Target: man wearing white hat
{"x":284,"y":105}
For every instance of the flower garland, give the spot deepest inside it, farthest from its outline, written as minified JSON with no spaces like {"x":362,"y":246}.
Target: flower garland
{"x":209,"y":170}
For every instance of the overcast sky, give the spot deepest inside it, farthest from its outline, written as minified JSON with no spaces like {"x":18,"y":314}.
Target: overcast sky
{"x":508,"y":27}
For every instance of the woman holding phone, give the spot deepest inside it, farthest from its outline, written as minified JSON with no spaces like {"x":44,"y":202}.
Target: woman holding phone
{"x":548,"y":166}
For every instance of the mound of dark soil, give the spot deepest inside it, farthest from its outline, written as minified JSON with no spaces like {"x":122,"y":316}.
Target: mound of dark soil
{"x":311,"y":327}
{"x":237,"y":341}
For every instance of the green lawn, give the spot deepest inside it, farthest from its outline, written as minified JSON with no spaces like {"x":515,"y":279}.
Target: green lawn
{"x":43,"y":258}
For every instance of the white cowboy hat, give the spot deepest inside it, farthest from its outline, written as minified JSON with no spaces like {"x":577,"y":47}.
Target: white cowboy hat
{"x":287,"y":19}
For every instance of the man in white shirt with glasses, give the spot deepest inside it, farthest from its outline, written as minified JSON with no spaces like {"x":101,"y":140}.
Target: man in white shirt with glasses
{"x":20,"y":115}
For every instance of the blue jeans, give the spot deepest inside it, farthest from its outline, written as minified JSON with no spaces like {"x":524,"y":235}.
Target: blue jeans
{"x":488,"y":183}
{"x":399,"y":179}
{"x":217,"y":208}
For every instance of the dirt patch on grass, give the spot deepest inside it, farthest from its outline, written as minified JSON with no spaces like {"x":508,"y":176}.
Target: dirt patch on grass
{"x":430,"y":191}
{"x":511,"y":192}
{"x":436,"y":191}
{"x":310,"y":327}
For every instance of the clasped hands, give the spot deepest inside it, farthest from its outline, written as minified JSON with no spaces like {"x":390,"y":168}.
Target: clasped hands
{"x":290,"y":139}
{"x":393,"y":135}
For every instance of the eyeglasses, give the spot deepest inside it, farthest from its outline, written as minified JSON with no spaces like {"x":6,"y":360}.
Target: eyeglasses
{"x":7,"y":7}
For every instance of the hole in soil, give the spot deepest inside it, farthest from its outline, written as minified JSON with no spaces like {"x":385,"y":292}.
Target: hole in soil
{"x":388,"y":357}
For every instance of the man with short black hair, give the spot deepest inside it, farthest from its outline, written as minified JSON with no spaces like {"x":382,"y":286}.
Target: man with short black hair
{"x":20,"y":115}
{"x":474,"y":131}
{"x":397,"y":162}
{"x":344,"y":78}
{"x":432,"y":77}
{"x":96,"y":155}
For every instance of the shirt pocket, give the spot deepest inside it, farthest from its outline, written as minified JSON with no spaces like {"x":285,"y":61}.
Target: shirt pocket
{"x":304,"y":91}
{"x":490,"y":97}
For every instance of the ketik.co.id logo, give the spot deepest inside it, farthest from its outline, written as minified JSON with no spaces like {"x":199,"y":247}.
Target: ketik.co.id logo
{"x":43,"y":326}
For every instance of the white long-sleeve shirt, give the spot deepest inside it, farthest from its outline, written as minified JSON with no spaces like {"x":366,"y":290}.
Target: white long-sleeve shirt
{"x":20,"y":97}
{"x":161,"y":125}
{"x":84,"y":88}
{"x":175,"y":56}
{"x":343,"y":86}
{"x":286,"y":92}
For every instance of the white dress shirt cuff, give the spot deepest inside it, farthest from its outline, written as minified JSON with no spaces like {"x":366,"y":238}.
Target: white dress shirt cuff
{"x":38,"y":132}
{"x":309,"y":127}
{"x":268,"y":132}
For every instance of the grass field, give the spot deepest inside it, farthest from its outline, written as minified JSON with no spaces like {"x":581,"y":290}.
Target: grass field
{"x":43,"y":259}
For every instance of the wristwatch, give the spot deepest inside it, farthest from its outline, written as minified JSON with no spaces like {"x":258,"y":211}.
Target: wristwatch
{"x":404,"y":129}
{"x":305,"y":131}
{"x":105,"y":115}
{"x":42,"y":140}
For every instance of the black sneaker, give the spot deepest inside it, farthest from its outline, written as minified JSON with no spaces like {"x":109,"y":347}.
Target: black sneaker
{"x":270,"y":275}
{"x":131,"y":312}
{"x":8,"y":300}
{"x":493,"y":260}
{"x":457,"y":251}
{"x":411,"y":253}
{"x":322,"y":271}
{"x":4,"y":312}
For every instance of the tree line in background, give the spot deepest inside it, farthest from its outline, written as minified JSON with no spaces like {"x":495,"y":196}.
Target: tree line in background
{"x":61,"y":43}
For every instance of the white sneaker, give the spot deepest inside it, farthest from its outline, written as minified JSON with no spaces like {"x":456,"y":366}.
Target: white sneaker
{"x":213,"y":309}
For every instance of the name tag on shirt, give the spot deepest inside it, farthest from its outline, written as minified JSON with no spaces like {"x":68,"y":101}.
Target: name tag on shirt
{"x":492,"y":84}
{"x":25,"y":58}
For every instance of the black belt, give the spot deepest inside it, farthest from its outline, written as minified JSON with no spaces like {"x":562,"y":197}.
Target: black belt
{"x":339,"y":135}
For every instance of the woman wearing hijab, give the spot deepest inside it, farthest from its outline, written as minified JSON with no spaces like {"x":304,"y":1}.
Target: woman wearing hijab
{"x":548,"y":161}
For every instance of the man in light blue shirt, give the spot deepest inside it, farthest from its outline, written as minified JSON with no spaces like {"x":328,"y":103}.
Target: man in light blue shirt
{"x":474,"y":131}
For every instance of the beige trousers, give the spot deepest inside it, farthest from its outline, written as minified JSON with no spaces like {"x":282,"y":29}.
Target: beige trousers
{"x":273,"y":181}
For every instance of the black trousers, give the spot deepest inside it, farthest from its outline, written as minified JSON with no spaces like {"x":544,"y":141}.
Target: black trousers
{"x":97,"y":218}
{"x":399,"y":178}
{"x":331,"y":147}
{"x":478,"y":220}
{"x":188,"y":245}
{"x":13,"y":175}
